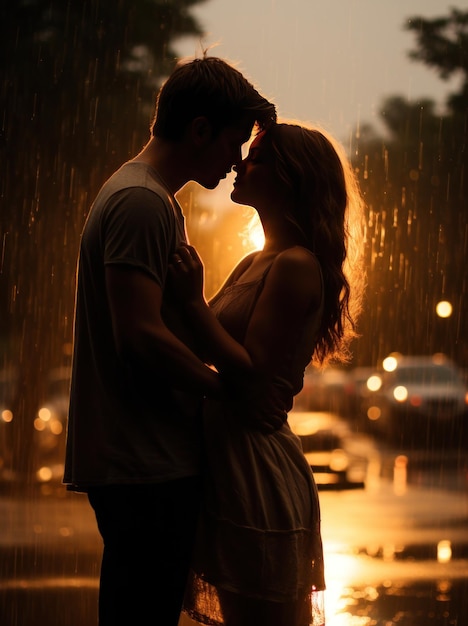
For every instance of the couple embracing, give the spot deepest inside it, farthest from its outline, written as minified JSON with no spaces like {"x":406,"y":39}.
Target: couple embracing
{"x":178,"y":428}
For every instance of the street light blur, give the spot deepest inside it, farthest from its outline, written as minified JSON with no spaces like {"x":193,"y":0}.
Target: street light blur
{"x":390,"y":363}
{"x":444,"y":308}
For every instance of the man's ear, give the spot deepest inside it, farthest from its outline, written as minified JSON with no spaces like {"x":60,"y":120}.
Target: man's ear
{"x":201,"y":131}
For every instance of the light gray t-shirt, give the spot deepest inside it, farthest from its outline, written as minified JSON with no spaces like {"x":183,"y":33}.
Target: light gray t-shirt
{"x":122,"y":427}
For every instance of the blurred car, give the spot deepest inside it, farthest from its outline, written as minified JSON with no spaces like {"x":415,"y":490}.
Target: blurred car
{"x":324,"y":390}
{"x":50,"y":427}
{"x":362,"y":386}
{"x":420,"y":395}
{"x":328,"y":446}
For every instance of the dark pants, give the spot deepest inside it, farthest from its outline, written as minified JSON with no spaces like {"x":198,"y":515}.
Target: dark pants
{"x":148,"y":533}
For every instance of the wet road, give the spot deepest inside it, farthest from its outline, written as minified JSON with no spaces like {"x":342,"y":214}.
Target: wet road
{"x":396,"y":558}
{"x":396,"y":552}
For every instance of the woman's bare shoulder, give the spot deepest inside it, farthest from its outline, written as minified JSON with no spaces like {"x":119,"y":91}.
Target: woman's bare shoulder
{"x":297,"y":259}
{"x":299,"y":268}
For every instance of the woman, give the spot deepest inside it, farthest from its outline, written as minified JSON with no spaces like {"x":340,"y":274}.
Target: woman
{"x":259,"y":554}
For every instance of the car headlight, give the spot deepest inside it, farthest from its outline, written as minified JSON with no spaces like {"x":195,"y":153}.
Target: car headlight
{"x":339,"y":460}
{"x":47,"y":420}
{"x":374,"y":382}
{"x":400,"y":393}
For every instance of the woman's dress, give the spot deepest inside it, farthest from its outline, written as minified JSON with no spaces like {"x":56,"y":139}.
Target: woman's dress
{"x":260,"y":528}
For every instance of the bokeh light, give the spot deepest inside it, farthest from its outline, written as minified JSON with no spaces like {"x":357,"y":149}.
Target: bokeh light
{"x":444,"y":309}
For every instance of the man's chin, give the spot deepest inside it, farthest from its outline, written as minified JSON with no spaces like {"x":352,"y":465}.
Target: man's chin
{"x":206,"y":184}
{"x":235,"y":199}
{"x":234,"y":194}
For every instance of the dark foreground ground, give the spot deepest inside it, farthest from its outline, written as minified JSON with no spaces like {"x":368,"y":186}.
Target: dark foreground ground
{"x":383,"y":553}
{"x":396,"y":552}
{"x":415,"y":603}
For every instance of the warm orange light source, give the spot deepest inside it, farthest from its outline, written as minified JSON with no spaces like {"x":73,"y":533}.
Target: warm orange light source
{"x":44,"y":414}
{"x":374,"y":413}
{"x":444,"y":551}
{"x":7,"y":416}
{"x":255,"y":236}
{"x":44,"y":474}
{"x":390,"y":363}
{"x":444,"y":308}
{"x":400,"y":393}
{"x":374,"y":382}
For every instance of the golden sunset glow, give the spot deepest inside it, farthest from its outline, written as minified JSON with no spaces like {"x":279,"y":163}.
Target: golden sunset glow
{"x":255,"y":239}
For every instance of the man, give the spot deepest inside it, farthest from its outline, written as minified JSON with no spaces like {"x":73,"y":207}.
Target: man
{"x":134,"y":420}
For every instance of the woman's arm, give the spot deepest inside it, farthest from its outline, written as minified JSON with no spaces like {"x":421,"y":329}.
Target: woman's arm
{"x":292,"y":288}
{"x":187,"y":277}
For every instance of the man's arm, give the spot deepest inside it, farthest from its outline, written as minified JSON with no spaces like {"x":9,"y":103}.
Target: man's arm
{"x":143,"y":340}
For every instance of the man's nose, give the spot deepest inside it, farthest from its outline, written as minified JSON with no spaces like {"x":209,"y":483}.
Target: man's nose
{"x":238,"y":164}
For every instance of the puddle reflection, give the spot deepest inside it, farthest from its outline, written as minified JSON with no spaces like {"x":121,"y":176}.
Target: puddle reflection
{"x":417,"y":594}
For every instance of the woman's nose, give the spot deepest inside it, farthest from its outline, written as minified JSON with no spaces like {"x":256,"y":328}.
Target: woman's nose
{"x":237,"y":167}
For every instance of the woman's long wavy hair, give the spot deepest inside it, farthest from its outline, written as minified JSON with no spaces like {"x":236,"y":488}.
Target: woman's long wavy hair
{"x":328,"y":213}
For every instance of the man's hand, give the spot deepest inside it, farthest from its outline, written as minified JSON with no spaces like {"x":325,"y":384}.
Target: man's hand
{"x":186,"y":276}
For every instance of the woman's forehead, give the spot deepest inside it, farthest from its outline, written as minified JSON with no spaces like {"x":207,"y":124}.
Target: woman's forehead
{"x":258,"y":140}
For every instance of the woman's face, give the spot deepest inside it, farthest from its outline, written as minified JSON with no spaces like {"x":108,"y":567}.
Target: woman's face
{"x":256,"y":184}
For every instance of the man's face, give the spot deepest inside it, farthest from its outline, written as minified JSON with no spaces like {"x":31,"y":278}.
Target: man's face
{"x":220,"y":153}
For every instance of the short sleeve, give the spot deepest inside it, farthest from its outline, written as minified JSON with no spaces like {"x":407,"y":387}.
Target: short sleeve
{"x":138,"y":230}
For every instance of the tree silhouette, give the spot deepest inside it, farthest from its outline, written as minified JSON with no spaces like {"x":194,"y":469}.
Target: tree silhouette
{"x":442,"y":42}
{"x":78,"y":91}
{"x":414,"y":183}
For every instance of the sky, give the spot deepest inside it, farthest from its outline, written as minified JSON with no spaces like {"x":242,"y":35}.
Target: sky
{"x":326,"y":62}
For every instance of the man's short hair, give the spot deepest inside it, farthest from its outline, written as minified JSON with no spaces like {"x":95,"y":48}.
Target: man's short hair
{"x":208,"y":87}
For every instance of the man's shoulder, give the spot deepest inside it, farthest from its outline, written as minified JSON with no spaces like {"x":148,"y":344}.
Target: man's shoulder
{"x":132,"y":188}
{"x":138,"y":176}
